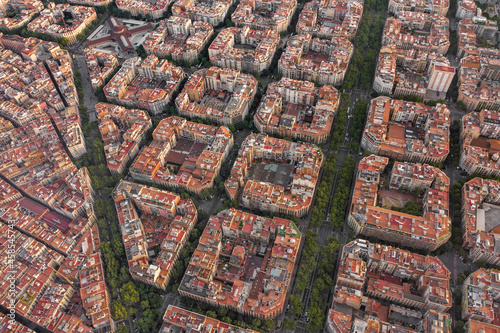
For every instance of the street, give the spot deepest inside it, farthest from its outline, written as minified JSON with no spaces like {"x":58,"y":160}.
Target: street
{"x":325,"y":230}
{"x":90,"y":97}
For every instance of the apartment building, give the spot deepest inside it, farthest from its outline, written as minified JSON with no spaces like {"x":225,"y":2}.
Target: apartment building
{"x":221,"y":95}
{"x":137,"y":84}
{"x":407,"y":131}
{"x":151,"y":218}
{"x":24,"y":11}
{"x":69,"y":125}
{"x":480,"y":201}
{"x":422,"y":6}
{"x":480,"y":293}
{"x":179,"y":38}
{"x":324,"y":61}
{"x":296,"y":109}
{"x":95,"y":3}
{"x":184,"y":155}
{"x":233,"y":242}
{"x":148,"y":9}
{"x":327,"y":19}
{"x":213,"y":12}
{"x":367,"y":217}
{"x":478,"y":83}
{"x":52,"y":22}
{"x":398,"y":291}
{"x":472,"y":29}
{"x":255,"y":54}
{"x":479,"y":139}
{"x":178,"y":319}
{"x":264,"y":15}
{"x":400,"y":31}
{"x":410,"y":72}
{"x":297,"y":164}
{"x":100,"y":66}
{"x":122,"y":131}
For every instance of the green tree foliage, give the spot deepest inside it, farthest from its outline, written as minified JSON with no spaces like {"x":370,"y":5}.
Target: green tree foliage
{"x":341,"y":196}
{"x":324,"y":190}
{"x":338,"y":128}
{"x":410,"y":207}
{"x":141,"y":52}
{"x":129,"y":294}
{"x":119,"y":311}
{"x":122,"y":329}
{"x":147,"y":323}
{"x":295,"y":304}
{"x":307,"y":262}
{"x":289,"y":325}
{"x":322,"y":285}
{"x":358,"y":120}
{"x":211,"y":314}
{"x":367,"y":45}
{"x":268,"y":325}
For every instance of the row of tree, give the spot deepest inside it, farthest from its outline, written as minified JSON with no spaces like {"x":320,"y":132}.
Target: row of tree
{"x":323,"y":192}
{"x":340,"y":199}
{"x":358,"y":120}
{"x":306,"y":266}
{"x":455,"y":142}
{"x":322,"y":285}
{"x":340,"y":121}
{"x":366,"y":49}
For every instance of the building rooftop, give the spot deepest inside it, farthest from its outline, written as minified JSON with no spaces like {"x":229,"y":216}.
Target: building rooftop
{"x":480,"y":212}
{"x":417,"y":288}
{"x":221,"y":95}
{"x":183,"y":154}
{"x":480,"y":135}
{"x":122,"y":131}
{"x":147,"y":84}
{"x":324,"y":61}
{"x":244,"y":262}
{"x":424,"y":6}
{"x":407,"y":131}
{"x":330,"y":18}
{"x":100,"y":66}
{"x":426,"y":32}
{"x":179,"y":38}
{"x":269,"y":14}
{"x":275,"y":174}
{"x":479,"y":302}
{"x":151,"y":218}
{"x":176,"y":318}
{"x":244,"y":48}
{"x":62,"y":20}
{"x":478,"y":86}
{"x":23,"y":10}
{"x":298,"y":110}
{"x":368,"y":216}
{"x":212,"y":12}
